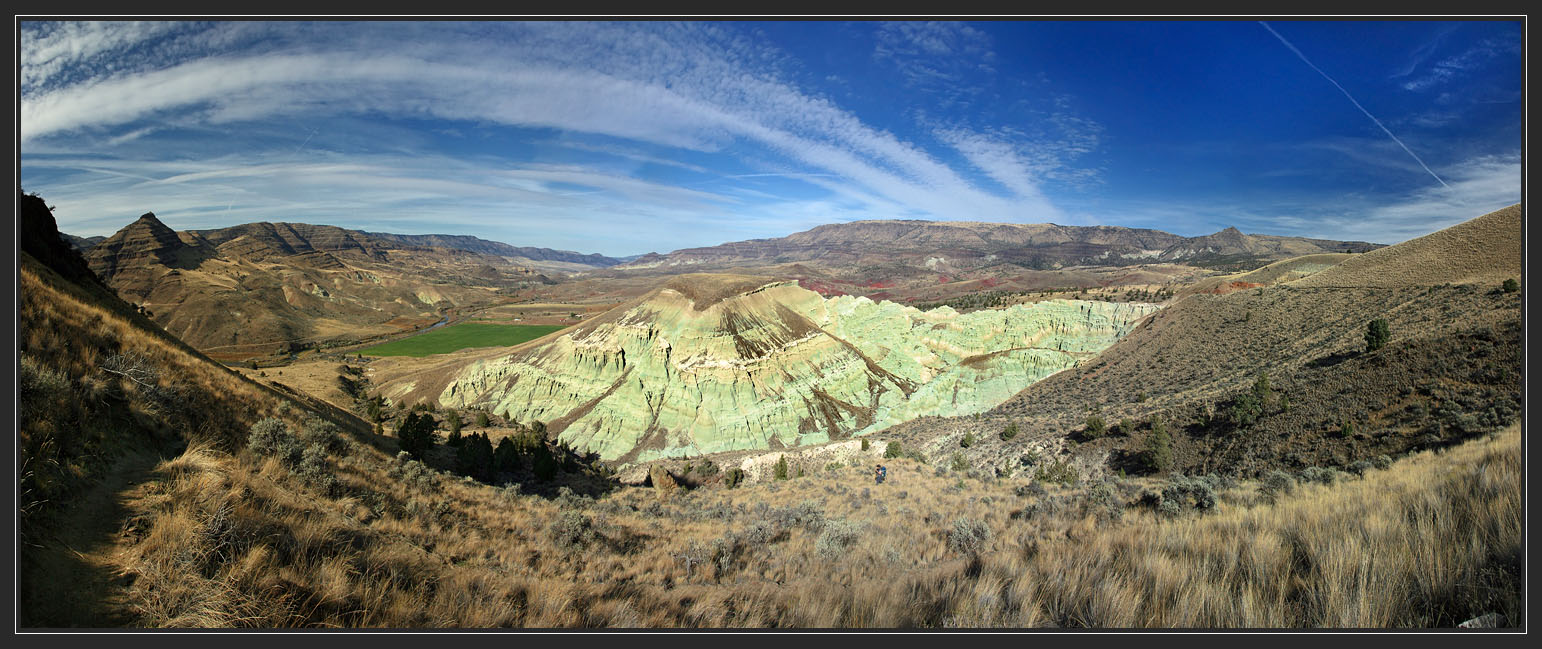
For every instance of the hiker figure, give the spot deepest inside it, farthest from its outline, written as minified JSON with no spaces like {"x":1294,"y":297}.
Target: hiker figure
{"x":880,"y":472}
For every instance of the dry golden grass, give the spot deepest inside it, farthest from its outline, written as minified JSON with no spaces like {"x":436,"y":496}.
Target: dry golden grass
{"x":1486,"y":249}
{"x":238,"y":541}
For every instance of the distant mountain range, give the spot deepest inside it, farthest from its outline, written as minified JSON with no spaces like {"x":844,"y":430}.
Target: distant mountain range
{"x":474,"y":244}
{"x":555,"y":260}
{"x":959,"y":246}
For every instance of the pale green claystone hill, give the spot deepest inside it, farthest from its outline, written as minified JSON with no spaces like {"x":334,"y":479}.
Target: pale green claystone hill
{"x":779,"y":366}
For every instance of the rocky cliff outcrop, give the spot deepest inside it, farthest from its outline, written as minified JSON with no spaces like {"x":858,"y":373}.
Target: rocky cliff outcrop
{"x":714,"y":363}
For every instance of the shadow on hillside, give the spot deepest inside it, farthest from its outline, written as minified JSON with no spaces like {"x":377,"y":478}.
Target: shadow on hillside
{"x":1127,"y":462}
{"x":63,"y":579}
{"x":1331,"y":360}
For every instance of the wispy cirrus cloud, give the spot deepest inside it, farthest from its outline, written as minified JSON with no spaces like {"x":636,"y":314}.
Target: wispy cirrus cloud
{"x":937,"y":57}
{"x":1469,"y":60}
{"x":689,"y":88}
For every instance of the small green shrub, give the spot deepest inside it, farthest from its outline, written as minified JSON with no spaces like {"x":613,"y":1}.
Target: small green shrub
{"x":1058,"y":471}
{"x":733,"y":477}
{"x":1096,"y":427}
{"x":1158,"y":455}
{"x":1189,"y":493}
{"x":967,"y":441}
{"x":1377,"y":333}
{"x":1510,"y":286}
{"x":893,"y":450}
{"x":416,"y":434}
{"x":866,"y":443}
{"x":325,"y":433}
{"x":781,"y":468}
{"x":959,"y":463}
{"x":1010,"y":432}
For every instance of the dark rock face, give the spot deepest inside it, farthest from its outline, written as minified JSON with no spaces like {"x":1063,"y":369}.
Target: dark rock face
{"x":38,"y":235}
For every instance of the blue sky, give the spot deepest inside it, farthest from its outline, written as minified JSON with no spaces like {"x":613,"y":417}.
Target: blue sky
{"x":623,"y":138}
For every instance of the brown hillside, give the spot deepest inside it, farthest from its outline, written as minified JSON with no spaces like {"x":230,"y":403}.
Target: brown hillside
{"x":254,"y":289}
{"x":1452,"y":368}
{"x":1276,"y":273}
{"x":1484,"y":250}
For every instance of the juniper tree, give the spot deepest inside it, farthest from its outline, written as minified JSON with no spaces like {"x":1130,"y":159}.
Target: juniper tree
{"x":1377,"y":334}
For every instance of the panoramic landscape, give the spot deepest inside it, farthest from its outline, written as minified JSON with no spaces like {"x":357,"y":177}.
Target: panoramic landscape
{"x":771,"y":325}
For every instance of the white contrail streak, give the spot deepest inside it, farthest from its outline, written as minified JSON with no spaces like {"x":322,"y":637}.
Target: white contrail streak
{"x":1356,"y":103}
{"x":313,"y":134}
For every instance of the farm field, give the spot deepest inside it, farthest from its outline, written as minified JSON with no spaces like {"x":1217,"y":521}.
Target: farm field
{"x":461,"y":336}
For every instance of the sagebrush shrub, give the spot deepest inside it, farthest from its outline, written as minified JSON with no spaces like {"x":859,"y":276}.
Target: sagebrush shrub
{"x":838,"y":536}
{"x":968,"y":536}
{"x":571,"y":531}
{"x":272,"y":436}
{"x":1096,"y":427}
{"x":1276,"y":483}
{"x":325,"y":433}
{"x":1189,"y":492}
{"x":1319,"y":474}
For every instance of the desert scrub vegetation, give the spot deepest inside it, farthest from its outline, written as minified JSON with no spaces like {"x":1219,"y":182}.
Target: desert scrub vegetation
{"x":1454,"y":354}
{"x":222,"y":540}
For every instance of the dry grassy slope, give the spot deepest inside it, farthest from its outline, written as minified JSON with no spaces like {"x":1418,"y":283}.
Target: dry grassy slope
{"x":1455,"y":352}
{"x":1484,"y":250}
{"x":1278,"y":272}
{"x":1428,"y":542}
{"x":87,"y":424}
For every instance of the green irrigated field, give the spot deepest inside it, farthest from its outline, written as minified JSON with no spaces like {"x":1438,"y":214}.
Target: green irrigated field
{"x":461,"y":336}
